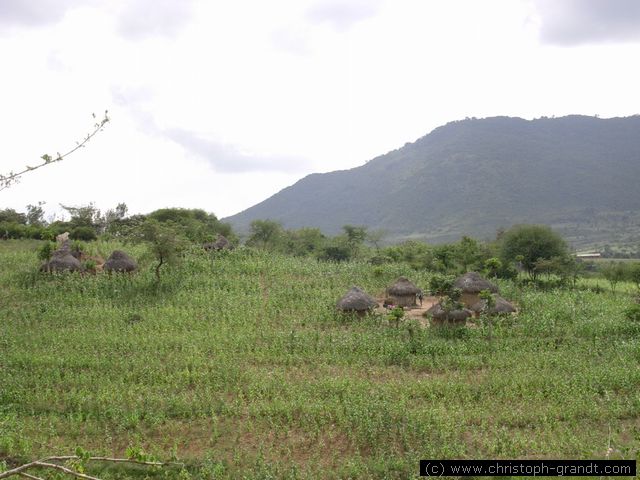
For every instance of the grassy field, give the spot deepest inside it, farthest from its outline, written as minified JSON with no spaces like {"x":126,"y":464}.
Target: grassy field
{"x":237,"y":365}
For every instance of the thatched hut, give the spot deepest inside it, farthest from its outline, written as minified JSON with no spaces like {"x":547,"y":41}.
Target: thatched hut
{"x":403,"y":293}
{"x":119,"y":261}
{"x":356,"y":301}
{"x":471,"y":284}
{"x":440,"y":316}
{"x":501,"y":306}
{"x":62,"y":261}
{"x":221,"y":243}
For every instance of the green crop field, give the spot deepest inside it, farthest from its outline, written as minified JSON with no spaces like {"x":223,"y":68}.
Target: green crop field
{"x":237,"y":365}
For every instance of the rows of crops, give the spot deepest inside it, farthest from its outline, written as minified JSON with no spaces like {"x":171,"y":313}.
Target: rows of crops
{"x":237,"y":365}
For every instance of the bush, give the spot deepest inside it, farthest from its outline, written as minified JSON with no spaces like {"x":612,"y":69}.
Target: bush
{"x":335,"y":253}
{"x":441,"y":285}
{"x":12,"y":230}
{"x":83,"y":233}
{"x":45,"y":251}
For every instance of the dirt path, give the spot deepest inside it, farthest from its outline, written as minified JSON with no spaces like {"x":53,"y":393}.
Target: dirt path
{"x":416,"y":313}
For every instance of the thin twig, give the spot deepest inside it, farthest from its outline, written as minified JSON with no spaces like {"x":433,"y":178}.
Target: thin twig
{"x":32,"y":477}
{"x":64,"y":458}
{"x":46,"y":462}
{"x":65,"y":470}
{"x":7,"y":180}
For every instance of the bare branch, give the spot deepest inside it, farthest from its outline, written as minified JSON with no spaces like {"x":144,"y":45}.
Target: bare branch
{"x":32,"y":477}
{"x":65,"y":470}
{"x":7,"y":180}
{"x":46,"y":463}
{"x":110,"y":459}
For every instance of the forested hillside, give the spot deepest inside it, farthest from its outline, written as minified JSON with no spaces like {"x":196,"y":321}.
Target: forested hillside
{"x":578,"y":174}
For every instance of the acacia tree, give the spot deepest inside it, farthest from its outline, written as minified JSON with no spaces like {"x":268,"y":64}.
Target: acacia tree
{"x":355,"y":237}
{"x":10,"y":178}
{"x":35,"y":214}
{"x":614,"y":272}
{"x":530,"y":243}
{"x":165,"y":242}
{"x":267,"y":234}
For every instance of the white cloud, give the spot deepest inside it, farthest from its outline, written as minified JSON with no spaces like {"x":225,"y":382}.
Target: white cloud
{"x":342,"y":14}
{"x":576,"y":22}
{"x":218,"y":105}
{"x":142,"y":18}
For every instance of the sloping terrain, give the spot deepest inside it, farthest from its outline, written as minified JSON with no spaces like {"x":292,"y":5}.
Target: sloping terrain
{"x":578,"y":174}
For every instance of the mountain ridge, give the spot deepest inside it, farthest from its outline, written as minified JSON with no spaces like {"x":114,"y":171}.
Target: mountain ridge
{"x":576,"y":173}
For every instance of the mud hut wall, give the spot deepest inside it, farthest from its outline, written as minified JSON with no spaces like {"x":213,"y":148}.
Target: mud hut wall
{"x":404,"y":300}
{"x":469,"y":299}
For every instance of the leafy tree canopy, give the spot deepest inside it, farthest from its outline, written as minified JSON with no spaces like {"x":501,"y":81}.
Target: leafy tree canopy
{"x":531,"y":243}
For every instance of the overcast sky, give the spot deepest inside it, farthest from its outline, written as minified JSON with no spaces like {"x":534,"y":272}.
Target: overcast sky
{"x":220,"y":104}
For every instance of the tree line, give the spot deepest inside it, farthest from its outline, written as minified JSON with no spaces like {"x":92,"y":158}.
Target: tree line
{"x":534,"y":250}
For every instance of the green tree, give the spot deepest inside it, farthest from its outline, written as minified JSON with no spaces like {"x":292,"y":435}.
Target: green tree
{"x":530,"y":243}
{"x":444,"y":256}
{"x":376,"y":238}
{"x":467,"y":253}
{"x":304,"y":241}
{"x":336,"y":250}
{"x":84,"y":216}
{"x":35,"y":214}
{"x":614,"y":272}
{"x":9,"y":215}
{"x":492,"y":266}
{"x":267,"y":234}
{"x":165,"y":242}
{"x":355,"y":238}
{"x":83,"y":233}
{"x":417,"y":254}
{"x":197,"y":225}
{"x":114,"y":216}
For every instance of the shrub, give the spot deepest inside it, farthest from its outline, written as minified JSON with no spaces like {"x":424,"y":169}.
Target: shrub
{"x":441,"y":285}
{"x":12,"y":230}
{"x":83,"y":233}
{"x":90,"y":265}
{"x":46,"y":250}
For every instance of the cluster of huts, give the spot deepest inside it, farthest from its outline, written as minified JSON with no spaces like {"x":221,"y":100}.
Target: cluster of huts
{"x":404,"y":293}
{"x":64,"y":259}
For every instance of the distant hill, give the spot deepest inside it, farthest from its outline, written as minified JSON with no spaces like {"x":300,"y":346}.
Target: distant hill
{"x":579,"y":174}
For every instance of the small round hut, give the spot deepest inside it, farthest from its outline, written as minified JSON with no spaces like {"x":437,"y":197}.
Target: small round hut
{"x":471,"y":284}
{"x":221,"y":243}
{"x":119,"y":261}
{"x":501,"y":307}
{"x":403,"y":293}
{"x":62,"y":261}
{"x":440,"y":316}
{"x":356,"y":301}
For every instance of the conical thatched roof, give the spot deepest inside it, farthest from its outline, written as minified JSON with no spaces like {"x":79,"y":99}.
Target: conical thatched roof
{"x":221,"y":243}
{"x":439,"y":313}
{"x":403,"y":287}
{"x":356,"y":300}
{"x":62,"y":261}
{"x":501,"y":306}
{"x":472,"y":282}
{"x":119,"y":261}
